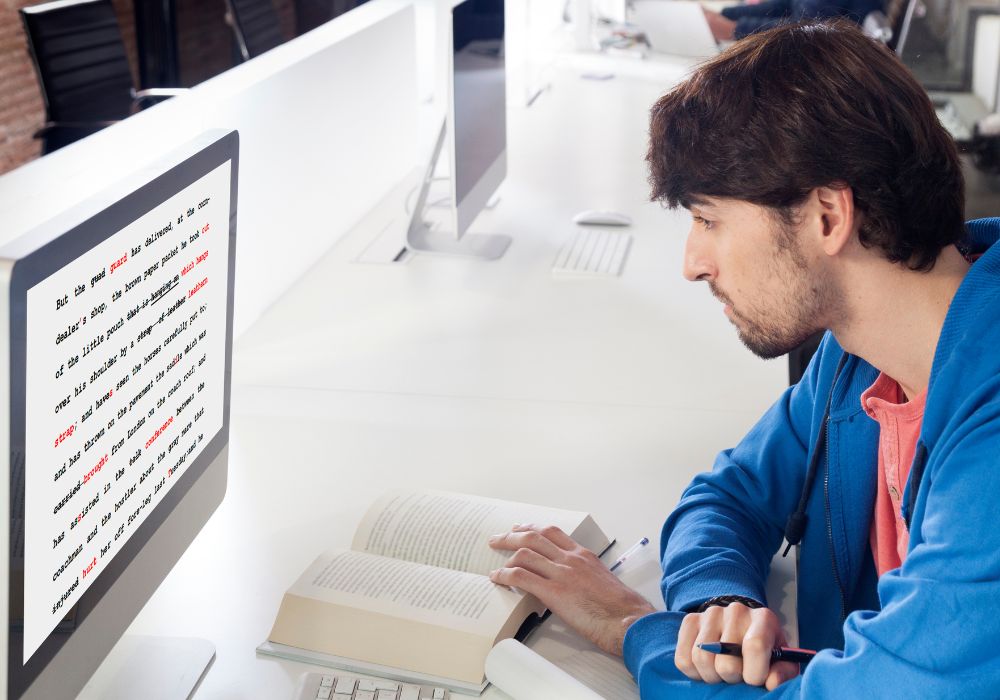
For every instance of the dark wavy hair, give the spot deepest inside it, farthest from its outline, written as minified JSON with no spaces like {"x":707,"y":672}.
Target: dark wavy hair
{"x":811,"y":105}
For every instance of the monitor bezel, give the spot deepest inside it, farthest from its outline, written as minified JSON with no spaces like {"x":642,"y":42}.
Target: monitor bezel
{"x":50,"y":256}
{"x":464,"y":212}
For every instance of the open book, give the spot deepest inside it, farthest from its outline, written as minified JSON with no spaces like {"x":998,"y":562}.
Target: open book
{"x":411,"y":598}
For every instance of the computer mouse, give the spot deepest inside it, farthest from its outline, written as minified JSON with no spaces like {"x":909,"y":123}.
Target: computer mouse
{"x":602,"y":217}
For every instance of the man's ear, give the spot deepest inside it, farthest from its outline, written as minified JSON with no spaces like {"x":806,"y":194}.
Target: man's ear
{"x":833,"y":209}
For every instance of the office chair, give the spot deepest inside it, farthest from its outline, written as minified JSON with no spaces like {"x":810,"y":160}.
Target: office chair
{"x":255,"y":26}
{"x":310,"y":14}
{"x":79,"y":58}
{"x":798,"y":359}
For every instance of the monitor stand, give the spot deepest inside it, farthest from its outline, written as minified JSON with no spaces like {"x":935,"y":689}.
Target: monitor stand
{"x":155,"y":668}
{"x":489,"y":246}
{"x":420,"y":235}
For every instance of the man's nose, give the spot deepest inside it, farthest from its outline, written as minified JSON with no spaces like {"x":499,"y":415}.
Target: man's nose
{"x":699,"y":263}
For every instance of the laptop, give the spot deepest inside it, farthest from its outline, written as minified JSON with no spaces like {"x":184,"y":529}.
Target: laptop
{"x":675,"y":27}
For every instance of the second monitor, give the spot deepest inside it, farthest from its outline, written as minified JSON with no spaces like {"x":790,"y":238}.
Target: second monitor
{"x":118,"y":328}
{"x":476,"y":129}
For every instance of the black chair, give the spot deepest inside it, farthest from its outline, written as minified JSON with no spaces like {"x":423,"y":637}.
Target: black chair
{"x":798,"y":359}
{"x":310,"y":14}
{"x":255,"y":26}
{"x":80,"y":60}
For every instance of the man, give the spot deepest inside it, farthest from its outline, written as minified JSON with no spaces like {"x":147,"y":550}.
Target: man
{"x":825,"y":195}
{"x":739,"y":21}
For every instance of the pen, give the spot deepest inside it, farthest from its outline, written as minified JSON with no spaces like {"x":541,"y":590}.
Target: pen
{"x":801,"y":656}
{"x":629,"y":552}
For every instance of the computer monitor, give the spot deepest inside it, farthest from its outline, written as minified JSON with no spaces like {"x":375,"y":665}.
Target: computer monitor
{"x":476,"y":131}
{"x":116,"y":380}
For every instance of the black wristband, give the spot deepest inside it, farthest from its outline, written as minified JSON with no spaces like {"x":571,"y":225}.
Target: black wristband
{"x":724,"y":600}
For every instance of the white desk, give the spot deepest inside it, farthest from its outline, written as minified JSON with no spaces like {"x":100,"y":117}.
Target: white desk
{"x":483,"y":377}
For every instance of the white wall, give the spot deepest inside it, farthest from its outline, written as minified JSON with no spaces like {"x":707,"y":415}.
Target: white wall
{"x":327,"y":123}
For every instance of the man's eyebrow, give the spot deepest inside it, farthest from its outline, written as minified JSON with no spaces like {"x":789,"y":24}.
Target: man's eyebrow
{"x":703,"y":207}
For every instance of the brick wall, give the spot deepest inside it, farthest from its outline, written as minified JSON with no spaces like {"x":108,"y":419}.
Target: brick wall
{"x":22,"y":111}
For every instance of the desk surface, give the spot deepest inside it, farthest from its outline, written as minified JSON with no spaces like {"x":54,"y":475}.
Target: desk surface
{"x":603,"y":395}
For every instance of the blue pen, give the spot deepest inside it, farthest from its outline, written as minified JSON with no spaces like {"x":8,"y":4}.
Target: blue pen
{"x":629,"y":552}
{"x":800,"y":656}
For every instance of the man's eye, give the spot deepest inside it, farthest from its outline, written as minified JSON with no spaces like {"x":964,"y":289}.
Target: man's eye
{"x":703,"y":222}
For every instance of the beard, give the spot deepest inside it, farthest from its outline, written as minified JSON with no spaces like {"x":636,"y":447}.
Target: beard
{"x":770,"y":330}
{"x":768,"y":340}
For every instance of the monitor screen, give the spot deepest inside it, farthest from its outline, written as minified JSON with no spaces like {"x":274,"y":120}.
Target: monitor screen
{"x":479,"y":101}
{"x":121,"y":336}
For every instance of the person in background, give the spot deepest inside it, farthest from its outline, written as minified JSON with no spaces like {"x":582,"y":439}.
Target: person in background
{"x":739,"y":21}
{"x":825,"y":195}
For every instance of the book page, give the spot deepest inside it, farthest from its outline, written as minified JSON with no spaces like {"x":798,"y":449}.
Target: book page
{"x":523,"y":674}
{"x":451,"y":530}
{"x":404,"y":589}
{"x":398,"y":614}
{"x":599,"y":671}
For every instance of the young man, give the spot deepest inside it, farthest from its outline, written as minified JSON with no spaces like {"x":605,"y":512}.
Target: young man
{"x":825,"y":195}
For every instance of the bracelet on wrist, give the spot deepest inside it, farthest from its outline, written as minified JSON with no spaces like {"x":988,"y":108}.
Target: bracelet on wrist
{"x":724,"y":600}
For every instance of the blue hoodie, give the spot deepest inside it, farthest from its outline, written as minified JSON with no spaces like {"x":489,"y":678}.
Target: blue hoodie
{"x":930,"y":629}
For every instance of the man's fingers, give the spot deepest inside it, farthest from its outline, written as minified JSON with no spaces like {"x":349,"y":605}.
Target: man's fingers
{"x":758,"y":642}
{"x":517,"y":577}
{"x":551,"y":533}
{"x":781,"y":672}
{"x":736,"y":620}
{"x":530,"y":539}
{"x":759,"y":638}
{"x":710,"y":631}
{"x":756,"y":631}
{"x":685,"y":642}
{"x":532,"y":561}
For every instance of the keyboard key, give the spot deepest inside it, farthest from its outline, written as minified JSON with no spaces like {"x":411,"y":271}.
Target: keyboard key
{"x":337,"y":687}
{"x":592,"y":253}
{"x":345,"y":686}
{"x":439,"y":694}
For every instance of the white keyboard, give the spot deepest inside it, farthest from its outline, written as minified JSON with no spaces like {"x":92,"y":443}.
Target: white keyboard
{"x":340,"y":686}
{"x":592,"y":252}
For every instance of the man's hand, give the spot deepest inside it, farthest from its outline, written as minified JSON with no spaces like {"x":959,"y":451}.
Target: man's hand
{"x":722,"y":29}
{"x":571,"y":581}
{"x":758,"y":631}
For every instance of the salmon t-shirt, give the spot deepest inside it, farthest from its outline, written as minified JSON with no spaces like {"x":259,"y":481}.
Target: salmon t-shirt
{"x":899,"y":430}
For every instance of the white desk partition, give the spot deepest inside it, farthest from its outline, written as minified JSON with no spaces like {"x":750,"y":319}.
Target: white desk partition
{"x":329,"y":130}
{"x":327,"y":126}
